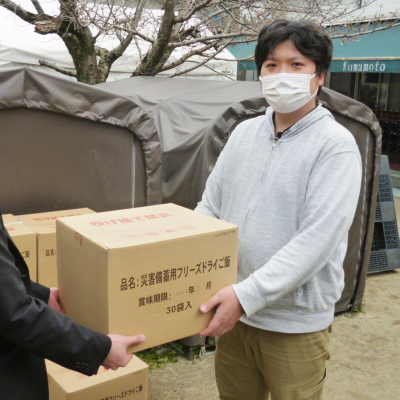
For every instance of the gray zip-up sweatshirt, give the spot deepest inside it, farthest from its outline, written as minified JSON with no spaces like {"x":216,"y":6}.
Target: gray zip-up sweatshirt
{"x":294,"y":200}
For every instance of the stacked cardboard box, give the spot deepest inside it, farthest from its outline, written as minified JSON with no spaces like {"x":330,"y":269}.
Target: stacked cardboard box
{"x":25,"y":240}
{"x":7,"y":218}
{"x":44,"y":224}
{"x":144,"y":270}
{"x":130,"y":382}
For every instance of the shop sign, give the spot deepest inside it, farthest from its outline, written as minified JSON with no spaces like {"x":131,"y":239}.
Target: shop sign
{"x":375,"y":66}
{"x":355,"y":66}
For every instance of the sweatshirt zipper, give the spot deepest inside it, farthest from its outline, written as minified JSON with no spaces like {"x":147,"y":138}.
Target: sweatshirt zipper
{"x":275,"y":142}
{"x":274,"y":145}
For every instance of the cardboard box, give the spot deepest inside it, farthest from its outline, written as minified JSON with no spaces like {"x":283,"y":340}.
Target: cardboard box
{"x":130,"y":382}
{"x":25,"y":239}
{"x":8,"y":218}
{"x":144,"y":270}
{"x":44,"y":224}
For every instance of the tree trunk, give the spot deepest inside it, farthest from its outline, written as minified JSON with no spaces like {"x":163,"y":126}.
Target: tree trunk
{"x":82,"y":49}
{"x":152,"y":62}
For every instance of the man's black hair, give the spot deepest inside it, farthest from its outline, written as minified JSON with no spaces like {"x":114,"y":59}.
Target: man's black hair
{"x":309,"y":39}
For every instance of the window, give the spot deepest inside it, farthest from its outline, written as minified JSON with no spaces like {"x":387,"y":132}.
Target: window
{"x":393,"y":101}
{"x":343,"y":82}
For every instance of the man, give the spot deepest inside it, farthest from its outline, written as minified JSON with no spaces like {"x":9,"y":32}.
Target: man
{"x":290,"y":180}
{"x":31,"y":330}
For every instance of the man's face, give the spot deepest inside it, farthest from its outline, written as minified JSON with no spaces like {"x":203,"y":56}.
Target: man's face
{"x":287,"y":59}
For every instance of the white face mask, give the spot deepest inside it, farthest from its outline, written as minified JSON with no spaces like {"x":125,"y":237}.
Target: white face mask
{"x":286,"y":93}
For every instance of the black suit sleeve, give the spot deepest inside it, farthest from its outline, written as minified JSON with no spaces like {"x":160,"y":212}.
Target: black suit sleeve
{"x":41,"y":292}
{"x":28,"y":322}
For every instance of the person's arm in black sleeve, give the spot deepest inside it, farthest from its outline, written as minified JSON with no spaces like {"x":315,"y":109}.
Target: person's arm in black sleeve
{"x":29,"y":323}
{"x":40,"y":291}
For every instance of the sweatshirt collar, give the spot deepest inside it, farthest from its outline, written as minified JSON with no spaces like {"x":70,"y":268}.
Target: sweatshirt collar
{"x":279,"y":134}
{"x":314,"y":115}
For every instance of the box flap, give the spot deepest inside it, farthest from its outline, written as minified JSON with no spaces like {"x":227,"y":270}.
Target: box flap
{"x":18,"y":228}
{"x":143,"y":225}
{"x":72,"y":381}
{"x":7,"y":218}
{"x":46,"y":222}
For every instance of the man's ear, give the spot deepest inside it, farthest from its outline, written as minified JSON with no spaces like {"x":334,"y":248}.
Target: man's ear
{"x":321,"y":78}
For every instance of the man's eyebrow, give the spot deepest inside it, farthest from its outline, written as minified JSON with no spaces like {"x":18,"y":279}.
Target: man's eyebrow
{"x":272,"y":58}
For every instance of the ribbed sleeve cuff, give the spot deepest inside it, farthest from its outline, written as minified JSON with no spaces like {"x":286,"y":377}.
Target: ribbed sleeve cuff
{"x":249,"y":295}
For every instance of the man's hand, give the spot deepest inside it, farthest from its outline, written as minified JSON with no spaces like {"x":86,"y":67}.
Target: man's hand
{"x":118,"y":356}
{"x":228,"y":311}
{"x":54,"y":300}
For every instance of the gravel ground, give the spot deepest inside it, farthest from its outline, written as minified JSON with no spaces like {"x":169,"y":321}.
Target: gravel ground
{"x":365,"y":354}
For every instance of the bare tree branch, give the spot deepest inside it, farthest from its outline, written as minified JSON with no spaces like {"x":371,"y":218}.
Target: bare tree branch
{"x":97,"y":33}
{"x":185,"y":72}
{"x":131,"y":31}
{"x":37,"y":6}
{"x":213,"y":38}
{"x":204,"y":62}
{"x":186,"y":56}
{"x":349,"y":35}
{"x":193,"y":11}
{"x":56,"y":68}
{"x":19,"y":11}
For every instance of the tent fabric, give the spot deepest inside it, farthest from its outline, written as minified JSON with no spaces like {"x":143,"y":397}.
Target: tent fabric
{"x":194,"y":125}
{"x":361,"y":121}
{"x":54,"y":162}
{"x":187,"y":114}
{"x":157,"y":143}
{"x":150,"y":91}
{"x":110,"y":133}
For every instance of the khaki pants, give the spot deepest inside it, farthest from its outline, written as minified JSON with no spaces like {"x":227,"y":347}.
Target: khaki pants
{"x":252,"y":363}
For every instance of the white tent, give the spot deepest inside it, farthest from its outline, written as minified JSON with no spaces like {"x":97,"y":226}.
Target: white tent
{"x":21,"y":46}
